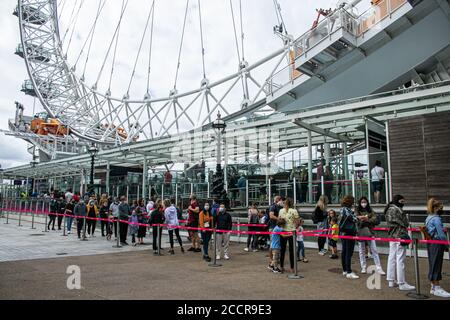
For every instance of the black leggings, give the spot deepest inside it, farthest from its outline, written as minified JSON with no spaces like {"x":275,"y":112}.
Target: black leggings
{"x":52,"y":220}
{"x":91,"y":224}
{"x":60,"y":219}
{"x":283,"y":243}
{"x":177,"y":234}
{"x":348,"y":247}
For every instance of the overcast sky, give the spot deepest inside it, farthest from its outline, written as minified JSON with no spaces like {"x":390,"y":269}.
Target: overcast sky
{"x":220,"y":51}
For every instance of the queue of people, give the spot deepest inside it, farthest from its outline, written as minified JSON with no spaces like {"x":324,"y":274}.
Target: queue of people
{"x":281,"y":218}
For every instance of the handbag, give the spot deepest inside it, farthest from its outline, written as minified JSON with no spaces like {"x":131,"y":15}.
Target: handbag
{"x":405,"y":236}
{"x":364,"y":232}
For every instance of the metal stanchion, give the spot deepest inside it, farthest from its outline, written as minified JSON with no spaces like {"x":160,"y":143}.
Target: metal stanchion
{"x":46,"y":217}
{"x":64,"y":226}
{"x":118,"y":245}
{"x":214,"y":262}
{"x":32,"y":216}
{"x":158,"y":240}
{"x":239,"y":229}
{"x":417,"y":294}
{"x":295,"y":275}
{"x":20,"y":214}
{"x":7,"y":213}
{"x":84,"y":238}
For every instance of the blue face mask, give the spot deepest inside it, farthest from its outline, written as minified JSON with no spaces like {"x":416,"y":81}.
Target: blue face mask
{"x":222,"y":210}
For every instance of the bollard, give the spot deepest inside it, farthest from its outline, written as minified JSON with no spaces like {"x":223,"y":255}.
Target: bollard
{"x":295,"y":275}
{"x":214,"y":263}
{"x":417,"y":294}
{"x":84,"y":238}
{"x":118,"y":245}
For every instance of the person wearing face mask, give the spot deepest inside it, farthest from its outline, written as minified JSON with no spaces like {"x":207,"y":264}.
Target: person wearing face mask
{"x":398,"y":228}
{"x":435,"y":230}
{"x":223,"y":222}
{"x":206,"y":222}
{"x":365,"y":229}
{"x":171,"y":219}
{"x":92,"y":212}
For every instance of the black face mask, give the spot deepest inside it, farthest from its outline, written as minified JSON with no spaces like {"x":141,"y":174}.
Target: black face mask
{"x":400,"y":205}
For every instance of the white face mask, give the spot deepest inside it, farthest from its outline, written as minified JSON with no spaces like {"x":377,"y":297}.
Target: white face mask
{"x":364,"y":205}
{"x":206,"y":207}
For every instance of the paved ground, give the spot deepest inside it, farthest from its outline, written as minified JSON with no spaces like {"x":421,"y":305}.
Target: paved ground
{"x":135,"y":273}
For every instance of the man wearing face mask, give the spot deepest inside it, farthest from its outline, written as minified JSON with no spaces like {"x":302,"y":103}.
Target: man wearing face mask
{"x":435,"y":230}
{"x":223,"y":222}
{"x":365,"y":229}
{"x":398,"y":228}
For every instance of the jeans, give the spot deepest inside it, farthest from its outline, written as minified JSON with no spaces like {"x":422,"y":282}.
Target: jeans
{"x":69,"y":223}
{"x":435,"y":260}
{"x":223,"y":242}
{"x":155,"y":237}
{"x":252,"y":238}
{"x":206,"y":237}
{"x":396,"y":263}
{"x":321,"y":240}
{"x":80,"y":225}
{"x":300,"y":249}
{"x":283,"y":243}
{"x":123,"y":230}
{"x":362,"y":254}
{"x":348,"y":247}
{"x":177,"y":234}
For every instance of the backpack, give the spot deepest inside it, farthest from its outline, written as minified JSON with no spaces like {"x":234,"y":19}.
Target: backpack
{"x":378,"y":222}
{"x":346,"y":226}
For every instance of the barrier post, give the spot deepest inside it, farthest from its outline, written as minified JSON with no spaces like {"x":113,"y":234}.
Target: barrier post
{"x":64,"y":226}
{"x":84,"y":238}
{"x":158,"y":241}
{"x":118,"y":245}
{"x":417,"y":294}
{"x":294,"y":188}
{"x":322,"y":185}
{"x":239,"y":229}
{"x":353,"y":186}
{"x":20,"y":214}
{"x":7,"y":213}
{"x":46,"y":217}
{"x":32,"y":215}
{"x":246,"y":193}
{"x":295,"y":275}
{"x":214,"y":263}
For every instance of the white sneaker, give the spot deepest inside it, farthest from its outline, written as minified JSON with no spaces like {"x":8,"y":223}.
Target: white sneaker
{"x":380,"y":271}
{"x":344,"y":273}
{"x":364,"y":270}
{"x":68,"y":232}
{"x":406,"y":287}
{"x":246,"y":249}
{"x":217,"y":257}
{"x":226,"y":257}
{"x":392,"y":284}
{"x":352,"y":276}
{"x":322,"y":253}
{"x":255,"y":250}
{"x":439,"y":292}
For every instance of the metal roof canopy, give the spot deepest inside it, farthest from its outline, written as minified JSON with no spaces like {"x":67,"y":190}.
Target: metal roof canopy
{"x":332,"y":122}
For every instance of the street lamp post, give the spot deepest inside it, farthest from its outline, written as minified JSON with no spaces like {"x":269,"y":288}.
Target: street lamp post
{"x":93,"y":150}
{"x":218,"y":186}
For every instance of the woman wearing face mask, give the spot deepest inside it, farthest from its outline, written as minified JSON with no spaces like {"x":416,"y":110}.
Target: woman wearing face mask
{"x":435,"y":229}
{"x":398,"y":228}
{"x":206,"y":221}
{"x":365,"y":229}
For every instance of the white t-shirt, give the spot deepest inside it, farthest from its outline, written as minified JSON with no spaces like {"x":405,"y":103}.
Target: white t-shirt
{"x":377,"y":173}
